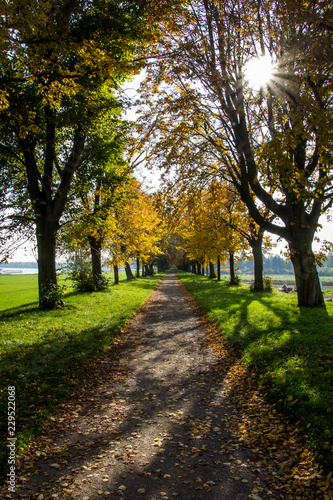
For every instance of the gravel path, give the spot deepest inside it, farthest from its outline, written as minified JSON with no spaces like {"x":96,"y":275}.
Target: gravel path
{"x":149,"y":421}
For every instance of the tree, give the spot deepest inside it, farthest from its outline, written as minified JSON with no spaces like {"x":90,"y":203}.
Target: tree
{"x":99,"y":185}
{"x":274,"y":144}
{"x":59,"y":62}
{"x":135,"y":229}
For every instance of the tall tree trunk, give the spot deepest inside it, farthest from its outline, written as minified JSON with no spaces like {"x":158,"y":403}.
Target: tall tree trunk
{"x":116,"y":274}
{"x":198,"y":267}
{"x":256,"y":245}
{"x":218,"y":269}
{"x":193,"y":267}
{"x":138,"y":267}
{"x":151,"y":269}
{"x":232,"y":268}
{"x":96,"y":256}
{"x":308,"y":287}
{"x":211,"y":270}
{"x":128,"y":270}
{"x":46,"y":232}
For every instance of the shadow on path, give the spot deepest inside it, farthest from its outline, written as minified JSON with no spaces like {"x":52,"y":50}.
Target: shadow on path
{"x":149,"y":421}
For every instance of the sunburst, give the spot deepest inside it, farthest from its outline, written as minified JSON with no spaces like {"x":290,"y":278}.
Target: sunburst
{"x":258,"y":72}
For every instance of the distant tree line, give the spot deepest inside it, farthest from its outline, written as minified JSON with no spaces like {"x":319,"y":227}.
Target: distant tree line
{"x":275,"y":264}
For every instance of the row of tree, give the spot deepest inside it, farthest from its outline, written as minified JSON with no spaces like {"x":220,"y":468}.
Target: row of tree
{"x":202,"y":122}
{"x":62,"y":67}
{"x":241,"y":162}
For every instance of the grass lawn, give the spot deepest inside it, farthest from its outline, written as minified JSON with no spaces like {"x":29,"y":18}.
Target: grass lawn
{"x":43,"y":353}
{"x":290,"y":348}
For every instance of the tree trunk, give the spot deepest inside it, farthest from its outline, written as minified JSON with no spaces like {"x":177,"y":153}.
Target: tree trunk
{"x":151,"y":269}
{"x":46,"y":232}
{"x":308,"y":287}
{"x":138,"y":267}
{"x":256,"y":245}
{"x":211,"y":271}
{"x":198,"y":267}
{"x":218,"y":269}
{"x":232,"y":268}
{"x":193,"y":268}
{"x":96,"y":257}
{"x":128,"y":270}
{"x":116,"y":274}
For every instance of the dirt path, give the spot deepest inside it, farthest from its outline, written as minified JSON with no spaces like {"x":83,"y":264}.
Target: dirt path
{"x":151,"y":420}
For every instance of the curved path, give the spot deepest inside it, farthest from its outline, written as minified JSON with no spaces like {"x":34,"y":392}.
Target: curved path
{"x":150,"y":419}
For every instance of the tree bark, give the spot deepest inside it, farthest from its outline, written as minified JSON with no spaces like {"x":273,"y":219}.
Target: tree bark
{"x":96,"y":258}
{"x":138,"y":267}
{"x":218,"y":269}
{"x":256,"y":245}
{"x":128,"y":270}
{"x":46,"y":232}
{"x":308,"y":286}
{"x":212,"y":273}
{"x":193,"y":268}
{"x":116,"y":274}
{"x":232,"y":268}
{"x":49,"y":205}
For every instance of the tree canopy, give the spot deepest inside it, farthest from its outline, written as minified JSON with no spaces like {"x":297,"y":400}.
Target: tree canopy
{"x":62,"y":65}
{"x":274,"y":144}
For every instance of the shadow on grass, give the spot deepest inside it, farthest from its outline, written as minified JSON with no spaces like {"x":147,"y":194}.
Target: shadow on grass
{"x":44,"y":373}
{"x":291,"y":348}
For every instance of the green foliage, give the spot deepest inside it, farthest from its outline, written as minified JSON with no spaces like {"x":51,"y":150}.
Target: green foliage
{"x":268,"y":283}
{"x":293,"y":357}
{"x":85,"y":281}
{"x":236,"y":281}
{"x":52,"y":295}
{"x":43,"y":353}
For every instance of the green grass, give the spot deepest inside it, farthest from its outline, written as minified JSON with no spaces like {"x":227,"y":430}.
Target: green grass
{"x":43,"y":353}
{"x":291,"y":349}
{"x":17,"y":290}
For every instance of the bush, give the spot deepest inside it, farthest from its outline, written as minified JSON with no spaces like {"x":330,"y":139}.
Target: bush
{"x":268,"y":284}
{"x":85,"y":281}
{"x":52,"y":295}
{"x":236,"y":281}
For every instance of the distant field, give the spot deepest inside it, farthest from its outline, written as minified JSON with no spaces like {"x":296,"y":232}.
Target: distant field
{"x":289,"y":279}
{"x":17,"y":290}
